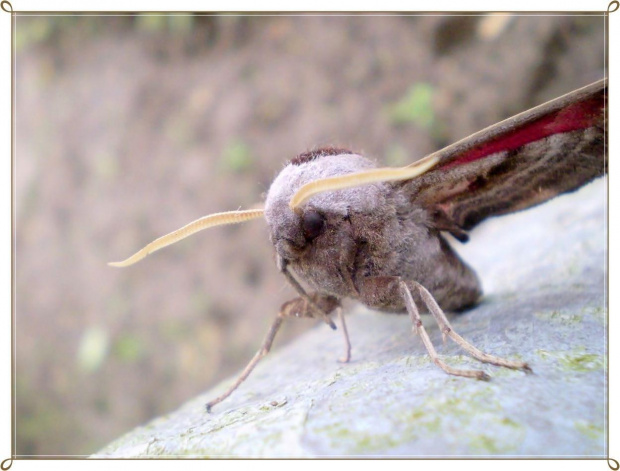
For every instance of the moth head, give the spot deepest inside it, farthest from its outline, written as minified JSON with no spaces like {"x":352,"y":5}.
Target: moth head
{"x":308,"y":199}
{"x":294,"y":230}
{"x":317,"y":191}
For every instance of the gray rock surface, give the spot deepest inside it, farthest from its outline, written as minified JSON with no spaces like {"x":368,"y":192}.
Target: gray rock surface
{"x":544,"y":275}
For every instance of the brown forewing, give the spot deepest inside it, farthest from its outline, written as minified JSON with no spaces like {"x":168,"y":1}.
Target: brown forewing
{"x":521,"y":162}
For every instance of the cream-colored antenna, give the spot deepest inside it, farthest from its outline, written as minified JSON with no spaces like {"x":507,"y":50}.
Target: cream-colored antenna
{"x":362,"y":178}
{"x":217,"y":219}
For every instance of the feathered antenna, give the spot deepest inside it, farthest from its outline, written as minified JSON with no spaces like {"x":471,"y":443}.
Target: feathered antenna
{"x":217,"y":219}
{"x":377,"y":175}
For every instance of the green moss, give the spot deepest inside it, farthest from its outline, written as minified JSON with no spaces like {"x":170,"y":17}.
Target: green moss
{"x":583,"y":362}
{"x":590,"y":430}
{"x":576,"y":360}
{"x":504,"y":437}
{"x":564,"y":318}
{"x":416,"y":361}
{"x":509,"y":422}
{"x":427,"y":420}
{"x":361,"y":441}
{"x":484,"y":444}
{"x":374,"y":442}
{"x":598,"y":313}
{"x":273,"y":439}
{"x":453,"y":407}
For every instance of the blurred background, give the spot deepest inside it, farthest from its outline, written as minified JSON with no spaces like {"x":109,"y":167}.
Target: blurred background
{"x":129,"y":127}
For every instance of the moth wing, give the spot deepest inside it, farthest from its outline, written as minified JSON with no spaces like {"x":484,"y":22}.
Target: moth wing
{"x":523,"y":161}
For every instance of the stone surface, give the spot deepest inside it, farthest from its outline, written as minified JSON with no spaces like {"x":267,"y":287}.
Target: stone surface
{"x":544,"y":276}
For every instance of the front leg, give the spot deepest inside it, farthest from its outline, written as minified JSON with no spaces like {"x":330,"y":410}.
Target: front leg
{"x":314,"y":305}
{"x":394,"y":293}
{"x":305,"y":307}
{"x":283,"y":267}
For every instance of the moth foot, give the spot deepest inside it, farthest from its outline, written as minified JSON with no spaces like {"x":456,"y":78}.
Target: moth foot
{"x":482,"y":376}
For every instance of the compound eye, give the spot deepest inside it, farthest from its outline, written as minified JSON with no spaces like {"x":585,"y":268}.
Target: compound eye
{"x":313,"y":224}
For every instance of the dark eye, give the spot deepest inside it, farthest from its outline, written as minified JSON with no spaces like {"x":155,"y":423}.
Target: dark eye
{"x":312,"y":224}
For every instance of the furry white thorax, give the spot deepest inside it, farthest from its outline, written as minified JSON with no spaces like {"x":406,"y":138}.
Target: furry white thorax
{"x":293,"y":177}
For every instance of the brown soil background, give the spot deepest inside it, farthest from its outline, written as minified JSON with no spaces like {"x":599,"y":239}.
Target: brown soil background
{"x":130,"y":127}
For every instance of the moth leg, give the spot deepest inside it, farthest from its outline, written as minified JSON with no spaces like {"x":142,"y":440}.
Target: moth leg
{"x":418,"y":328}
{"x":347,"y":342}
{"x":446,"y":330}
{"x":283,"y":266}
{"x":264,"y":349}
{"x":316,"y":306}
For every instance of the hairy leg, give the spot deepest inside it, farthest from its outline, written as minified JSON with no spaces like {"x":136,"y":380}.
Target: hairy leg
{"x":314,"y":306}
{"x":446,"y":330}
{"x":394,"y":293}
{"x":418,"y":328}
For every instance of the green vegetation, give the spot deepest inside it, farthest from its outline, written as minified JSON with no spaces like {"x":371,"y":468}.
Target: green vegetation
{"x":129,"y":348}
{"x":415,"y":107}
{"x":236,"y":157}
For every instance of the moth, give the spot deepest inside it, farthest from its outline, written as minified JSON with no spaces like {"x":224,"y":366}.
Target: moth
{"x":347,"y":229}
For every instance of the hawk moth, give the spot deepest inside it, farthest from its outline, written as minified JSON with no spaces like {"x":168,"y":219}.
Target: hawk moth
{"x":348,"y":229}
